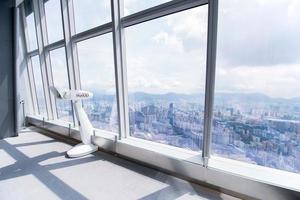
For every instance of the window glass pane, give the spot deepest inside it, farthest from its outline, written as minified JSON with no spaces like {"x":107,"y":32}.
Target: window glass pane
{"x":133,"y":6}
{"x":257,"y":107}
{"x":91,"y":13}
{"x":96,"y":63}
{"x":31,"y":30}
{"x":37,"y":73}
{"x":166,"y":61}
{"x":53,"y":20}
{"x":60,"y":79}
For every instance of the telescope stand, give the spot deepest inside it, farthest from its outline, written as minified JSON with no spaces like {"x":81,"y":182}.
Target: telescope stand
{"x":86,"y":132}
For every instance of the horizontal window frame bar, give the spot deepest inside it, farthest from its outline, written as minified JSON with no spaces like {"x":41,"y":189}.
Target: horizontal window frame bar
{"x":91,"y":33}
{"x":161,"y":11}
{"x":56,"y":45}
{"x":33,"y":53}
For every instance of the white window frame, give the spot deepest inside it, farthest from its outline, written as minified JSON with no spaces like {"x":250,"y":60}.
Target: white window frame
{"x":116,"y":27}
{"x":194,"y":165}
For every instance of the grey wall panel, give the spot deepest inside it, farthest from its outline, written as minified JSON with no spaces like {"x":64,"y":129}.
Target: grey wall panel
{"x":6,"y":70}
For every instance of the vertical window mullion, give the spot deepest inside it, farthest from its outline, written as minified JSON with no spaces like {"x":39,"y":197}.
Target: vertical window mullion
{"x":120,"y":67}
{"x":44,"y":68}
{"x":210,"y":78}
{"x":70,"y":47}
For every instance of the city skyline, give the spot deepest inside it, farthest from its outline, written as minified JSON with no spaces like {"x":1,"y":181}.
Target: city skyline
{"x":264,"y":134}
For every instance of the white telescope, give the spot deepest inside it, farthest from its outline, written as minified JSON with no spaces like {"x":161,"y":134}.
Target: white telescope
{"x":85,"y":126}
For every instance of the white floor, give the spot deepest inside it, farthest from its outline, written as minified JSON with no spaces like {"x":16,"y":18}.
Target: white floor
{"x":34,"y":166}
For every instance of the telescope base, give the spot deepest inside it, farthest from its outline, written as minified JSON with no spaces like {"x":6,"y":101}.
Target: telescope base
{"x":81,"y":150}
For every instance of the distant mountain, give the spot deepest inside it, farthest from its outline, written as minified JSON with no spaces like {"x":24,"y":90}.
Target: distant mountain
{"x":240,"y":97}
{"x":170,"y":97}
{"x":252,"y":98}
{"x":295,"y":99}
{"x":219,"y":98}
{"x":104,"y":97}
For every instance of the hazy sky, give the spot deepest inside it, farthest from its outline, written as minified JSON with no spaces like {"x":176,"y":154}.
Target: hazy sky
{"x":54,"y":20}
{"x":32,"y":42}
{"x":258,"y":48}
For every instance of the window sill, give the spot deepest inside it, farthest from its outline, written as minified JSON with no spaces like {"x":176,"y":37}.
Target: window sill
{"x":258,"y":173}
{"x":279,"y":178}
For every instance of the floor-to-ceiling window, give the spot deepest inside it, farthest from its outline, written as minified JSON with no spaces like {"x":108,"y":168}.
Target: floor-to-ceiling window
{"x":58,"y":64}
{"x":96,"y":63}
{"x":61,"y":82}
{"x":38,"y":83}
{"x":257,"y":107}
{"x":155,"y":54}
{"x":53,"y":20}
{"x":90,"y":13}
{"x":30,"y":26}
{"x":166,"y":62}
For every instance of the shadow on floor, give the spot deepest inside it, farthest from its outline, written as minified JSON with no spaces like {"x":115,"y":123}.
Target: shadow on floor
{"x":25,"y":165}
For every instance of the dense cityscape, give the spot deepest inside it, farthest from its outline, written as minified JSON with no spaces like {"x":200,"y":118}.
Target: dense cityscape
{"x":248,"y":127}
{"x":258,"y":129}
